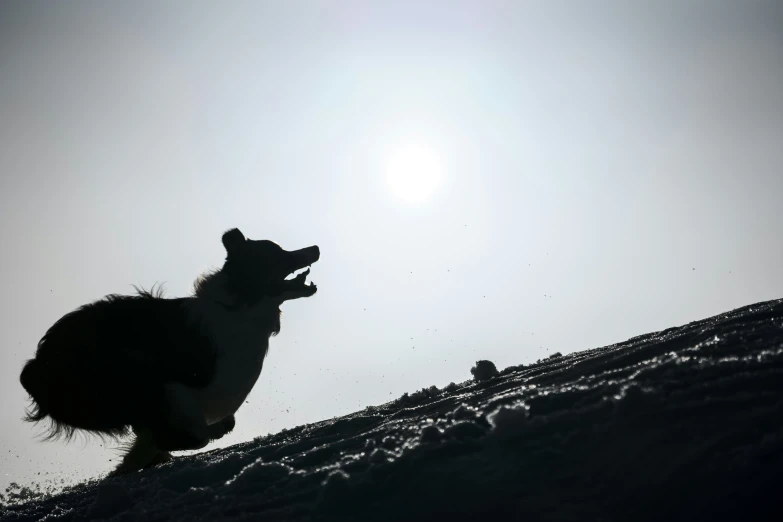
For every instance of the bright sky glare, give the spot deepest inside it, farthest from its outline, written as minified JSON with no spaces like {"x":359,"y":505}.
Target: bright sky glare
{"x":413,"y":172}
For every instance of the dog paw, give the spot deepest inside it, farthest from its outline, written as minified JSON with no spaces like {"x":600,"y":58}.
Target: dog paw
{"x":161,"y":458}
{"x":223,"y":427}
{"x":228,"y":424}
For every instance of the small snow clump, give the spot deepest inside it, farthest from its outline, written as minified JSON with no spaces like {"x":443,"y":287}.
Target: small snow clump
{"x":508,"y":420}
{"x":484,"y":370}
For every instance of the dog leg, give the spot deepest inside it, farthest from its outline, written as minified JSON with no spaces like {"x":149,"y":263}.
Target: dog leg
{"x":142,"y":453}
{"x":185,"y":428}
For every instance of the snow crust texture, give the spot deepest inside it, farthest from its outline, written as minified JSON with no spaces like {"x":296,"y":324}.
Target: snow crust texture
{"x":683,"y":424}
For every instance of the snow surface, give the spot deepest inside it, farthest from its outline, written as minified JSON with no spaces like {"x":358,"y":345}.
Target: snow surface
{"x":683,"y":424}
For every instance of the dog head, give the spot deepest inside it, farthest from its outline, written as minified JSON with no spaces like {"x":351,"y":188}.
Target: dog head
{"x":259,"y":269}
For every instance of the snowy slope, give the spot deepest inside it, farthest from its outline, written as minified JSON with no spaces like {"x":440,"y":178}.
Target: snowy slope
{"x":684,"y":424}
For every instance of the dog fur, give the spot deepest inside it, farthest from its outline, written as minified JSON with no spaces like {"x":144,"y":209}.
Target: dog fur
{"x":171,"y":371}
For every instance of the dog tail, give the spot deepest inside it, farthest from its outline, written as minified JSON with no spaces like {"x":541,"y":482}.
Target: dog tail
{"x":37,"y":381}
{"x":33,"y":379}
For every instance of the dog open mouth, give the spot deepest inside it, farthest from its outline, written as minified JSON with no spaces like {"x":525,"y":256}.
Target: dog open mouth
{"x":298,"y":286}
{"x":300,"y":283}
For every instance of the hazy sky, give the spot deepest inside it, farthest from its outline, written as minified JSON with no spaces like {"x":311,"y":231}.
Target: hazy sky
{"x":608,"y":170}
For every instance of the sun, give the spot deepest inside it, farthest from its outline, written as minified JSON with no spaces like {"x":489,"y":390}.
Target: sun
{"x":413,"y":172}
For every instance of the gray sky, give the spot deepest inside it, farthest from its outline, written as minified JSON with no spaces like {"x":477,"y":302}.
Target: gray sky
{"x":608,"y":170}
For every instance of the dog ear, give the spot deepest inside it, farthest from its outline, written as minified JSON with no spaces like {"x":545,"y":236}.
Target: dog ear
{"x":232,"y":240}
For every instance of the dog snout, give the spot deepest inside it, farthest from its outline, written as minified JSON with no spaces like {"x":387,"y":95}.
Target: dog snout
{"x":304,"y":257}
